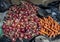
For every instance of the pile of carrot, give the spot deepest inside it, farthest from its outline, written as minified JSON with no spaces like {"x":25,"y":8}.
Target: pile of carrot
{"x":49,"y":27}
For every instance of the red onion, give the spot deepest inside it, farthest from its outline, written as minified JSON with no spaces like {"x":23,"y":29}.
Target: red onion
{"x":22,"y":21}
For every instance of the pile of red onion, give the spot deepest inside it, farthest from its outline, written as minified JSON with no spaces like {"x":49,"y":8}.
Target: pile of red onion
{"x":21,"y":21}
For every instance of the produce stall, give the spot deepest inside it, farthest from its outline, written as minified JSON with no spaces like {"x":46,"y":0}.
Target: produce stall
{"x":29,"y":22}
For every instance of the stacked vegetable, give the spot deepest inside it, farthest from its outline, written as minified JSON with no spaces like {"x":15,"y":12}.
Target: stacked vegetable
{"x":21,"y":21}
{"x":49,"y":27}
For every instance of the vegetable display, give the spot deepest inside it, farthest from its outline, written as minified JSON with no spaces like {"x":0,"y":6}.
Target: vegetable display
{"x":49,"y":27}
{"x":21,"y":21}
